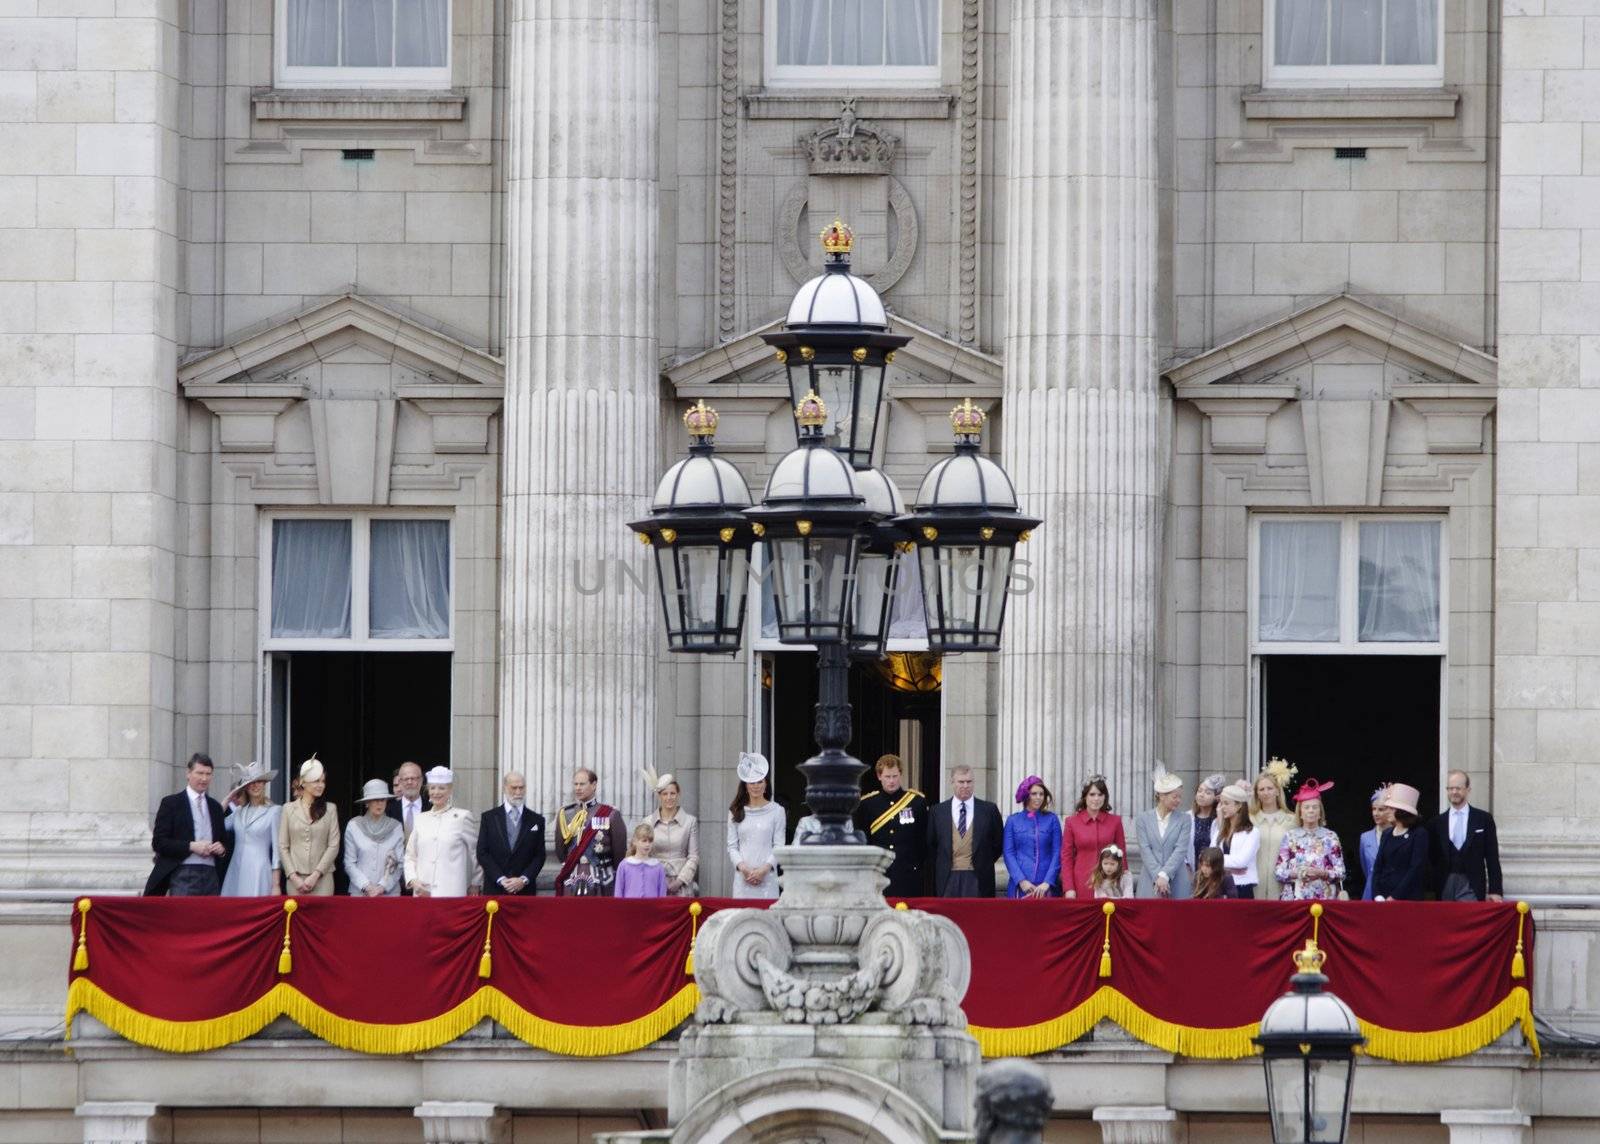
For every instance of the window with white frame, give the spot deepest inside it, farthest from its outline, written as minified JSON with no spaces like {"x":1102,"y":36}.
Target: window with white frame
{"x":1354,"y":43}
{"x":363,"y":43}
{"x":352,"y":582}
{"x":1328,"y":585}
{"x":869,"y":43}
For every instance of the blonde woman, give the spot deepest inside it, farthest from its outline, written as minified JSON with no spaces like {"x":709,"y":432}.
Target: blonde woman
{"x":677,"y":835}
{"x":308,"y":835}
{"x":1310,"y":859}
{"x":1270,"y":815}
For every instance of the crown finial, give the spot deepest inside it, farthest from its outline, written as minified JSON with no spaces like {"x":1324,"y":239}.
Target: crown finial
{"x":701,"y":421}
{"x":811,"y":413}
{"x":1310,"y":959}
{"x":838,"y":238}
{"x":967,"y":420}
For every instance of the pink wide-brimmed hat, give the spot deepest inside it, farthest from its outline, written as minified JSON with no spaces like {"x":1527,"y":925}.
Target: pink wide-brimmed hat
{"x":1311,"y":789}
{"x":1402,"y":797}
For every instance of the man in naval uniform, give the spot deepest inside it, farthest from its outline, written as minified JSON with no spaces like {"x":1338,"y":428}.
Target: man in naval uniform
{"x":897,"y":820}
{"x":591,"y":837}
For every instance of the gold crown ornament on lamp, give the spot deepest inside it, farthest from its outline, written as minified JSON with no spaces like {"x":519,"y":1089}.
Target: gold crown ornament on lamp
{"x":811,"y":412}
{"x":967,"y":419}
{"x":700,"y":421}
{"x":837,"y":238}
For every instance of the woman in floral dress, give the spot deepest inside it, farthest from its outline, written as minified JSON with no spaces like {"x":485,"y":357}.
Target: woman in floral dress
{"x":1310,"y":860}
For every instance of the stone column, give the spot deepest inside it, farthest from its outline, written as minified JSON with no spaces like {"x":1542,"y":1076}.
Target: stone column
{"x":90,"y":530}
{"x":1486,"y":1125}
{"x":1081,"y":418}
{"x":1136,"y":1125}
{"x":1546,"y":513}
{"x":578,"y":664}
{"x":462,"y":1122}
{"x":116,"y":1121}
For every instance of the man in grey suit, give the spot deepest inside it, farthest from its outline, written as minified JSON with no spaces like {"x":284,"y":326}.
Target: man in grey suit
{"x":1165,"y":836}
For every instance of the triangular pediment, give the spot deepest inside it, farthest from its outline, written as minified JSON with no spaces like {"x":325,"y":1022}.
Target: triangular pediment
{"x":351,"y":334}
{"x":1336,"y":334}
{"x":930,"y":365}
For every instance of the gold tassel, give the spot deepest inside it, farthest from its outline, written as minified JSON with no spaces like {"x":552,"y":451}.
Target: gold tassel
{"x":694,"y":932}
{"x":486,"y":963}
{"x":80,"y":959}
{"x":285,"y":961}
{"x":1105,"y":951}
{"x":1519,"y":965}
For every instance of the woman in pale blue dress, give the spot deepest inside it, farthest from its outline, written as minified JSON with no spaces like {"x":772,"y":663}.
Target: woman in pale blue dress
{"x":253,"y":819}
{"x":756,"y":827}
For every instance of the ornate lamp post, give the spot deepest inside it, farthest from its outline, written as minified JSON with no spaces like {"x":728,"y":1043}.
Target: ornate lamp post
{"x":1308,"y":1041}
{"x":966,"y":528}
{"x":701,"y":540}
{"x":836,"y":343}
{"x":833,"y":528}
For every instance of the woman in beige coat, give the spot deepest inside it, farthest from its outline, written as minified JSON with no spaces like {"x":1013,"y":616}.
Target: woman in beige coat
{"x":308,"y":835}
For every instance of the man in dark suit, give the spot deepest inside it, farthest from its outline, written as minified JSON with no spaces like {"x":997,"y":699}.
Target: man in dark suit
{"x":191,"y":844}
{"x":407,"y":802}
{"x":897,"y":820}
{"x":1465,"y":847}
{"x":511,"y":842}
{"x":965,"y":835}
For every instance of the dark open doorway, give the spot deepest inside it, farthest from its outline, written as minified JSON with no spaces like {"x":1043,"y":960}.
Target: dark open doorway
{"x":895,"y":710}
{"x":1357,"y":721}
{"x":362,"y":713}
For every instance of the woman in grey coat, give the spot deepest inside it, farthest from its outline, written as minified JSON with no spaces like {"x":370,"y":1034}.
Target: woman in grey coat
{"x":374,"y":846}
{"x":1165,"y":835}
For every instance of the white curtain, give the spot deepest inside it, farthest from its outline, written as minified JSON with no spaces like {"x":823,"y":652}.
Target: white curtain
{"x":1356,"y":32}
{"x":311,"y":579}
{"x":1298,"y":581}
{"x":912,"y":32}
{"x":421,"y":33}
{"x":1302,"y":33}
{"x":855,"y":33}
{"x":1399,"y":582}
{"x":1412,"y":33}
{"x":907,"y":620}
{"x":803,"y":32}
{"x":368,"y":33}
{"x":410,"y":579}
{"x":313,"y":33}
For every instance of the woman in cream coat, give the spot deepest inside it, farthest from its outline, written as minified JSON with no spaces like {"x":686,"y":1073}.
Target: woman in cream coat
{"x":308,"y":835}
{"x":441,"y":854}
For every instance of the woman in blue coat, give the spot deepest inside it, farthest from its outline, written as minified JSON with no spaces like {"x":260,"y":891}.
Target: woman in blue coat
{"x":1400,"y":872}
{"x":1033,"y":843}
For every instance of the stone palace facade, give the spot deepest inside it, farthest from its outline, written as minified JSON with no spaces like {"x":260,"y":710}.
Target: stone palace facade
{"x":339,"y":339}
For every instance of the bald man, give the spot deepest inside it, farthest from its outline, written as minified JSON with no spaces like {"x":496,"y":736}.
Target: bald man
{"x":511,"y":842}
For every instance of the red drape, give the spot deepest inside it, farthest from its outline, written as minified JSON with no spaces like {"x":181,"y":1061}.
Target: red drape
{"x":595,"y":976}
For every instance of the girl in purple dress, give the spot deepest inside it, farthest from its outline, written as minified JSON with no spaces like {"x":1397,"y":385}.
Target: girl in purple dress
{"x":639,"y":875}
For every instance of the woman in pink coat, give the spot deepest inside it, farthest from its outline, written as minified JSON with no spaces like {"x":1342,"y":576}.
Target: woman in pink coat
{"x":1086,"y":832}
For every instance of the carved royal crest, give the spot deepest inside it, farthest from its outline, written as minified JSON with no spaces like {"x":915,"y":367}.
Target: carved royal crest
{"x":849,"y":146}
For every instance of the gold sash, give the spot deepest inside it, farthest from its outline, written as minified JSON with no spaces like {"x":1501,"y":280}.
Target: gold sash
{"x":895,"y":808}
{"x":569,"y":830}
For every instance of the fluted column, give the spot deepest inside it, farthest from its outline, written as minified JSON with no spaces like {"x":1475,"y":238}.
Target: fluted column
{"x":577,"y":682}
{"x":1082,"y":411}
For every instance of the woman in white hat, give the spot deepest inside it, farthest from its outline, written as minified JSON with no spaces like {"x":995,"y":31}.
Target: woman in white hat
{"x":1400,"y":871}
{"x":308,"y":835}
{"x":677,"y":835}
{"x":374,"y":846}
{"x":442,"y":852}
{"x":253,"y":818}
{"x":756,"y":827}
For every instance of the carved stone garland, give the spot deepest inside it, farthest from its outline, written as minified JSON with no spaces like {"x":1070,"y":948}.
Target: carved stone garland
{"x":727,"y":169}
{"x":968,"y":110}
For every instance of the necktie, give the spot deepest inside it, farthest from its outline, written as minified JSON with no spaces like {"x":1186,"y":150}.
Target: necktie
{"x":513,"y":820}
{"x":411,"y":807}
{"x":202,"y":820}
{"x":1458,"y":829}
{"x":961,"y":821}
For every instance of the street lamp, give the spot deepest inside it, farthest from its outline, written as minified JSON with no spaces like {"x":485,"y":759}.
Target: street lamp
{"x":1308,"y":1041}
{"x":836,"y":343}
{"x":701,"y":538}
{"x":966,"y":528}
{"x":833,"y":529}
